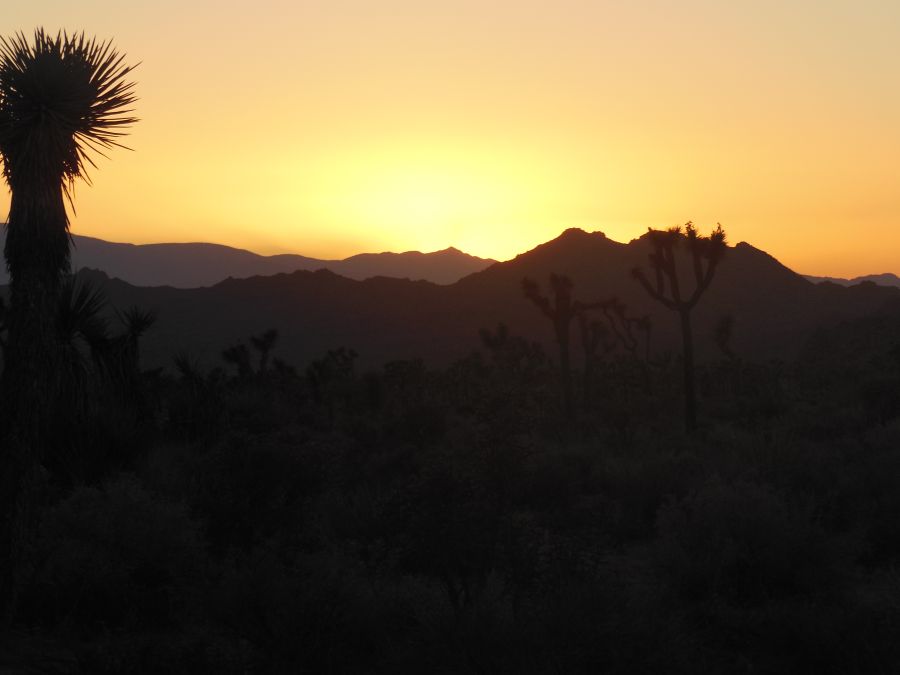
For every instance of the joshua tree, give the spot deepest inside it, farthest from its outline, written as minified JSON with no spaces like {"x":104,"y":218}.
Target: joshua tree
{"x":511,"y":353}
{"x":560,"y":311}
{"x":620,"y":323}
{"x":624,"y":326}
{"x":327,"y":375}
{"x":264,"y":344}
{"x":722,"y":333}
{"x":61,"y":98}
{"x":705,"y":255}
{"x":239,"y":357}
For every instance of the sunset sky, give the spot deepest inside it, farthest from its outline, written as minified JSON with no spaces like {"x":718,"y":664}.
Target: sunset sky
{"x":332,"y":128}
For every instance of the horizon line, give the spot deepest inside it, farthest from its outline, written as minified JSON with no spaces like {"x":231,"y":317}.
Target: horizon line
{"x":822,"y":277}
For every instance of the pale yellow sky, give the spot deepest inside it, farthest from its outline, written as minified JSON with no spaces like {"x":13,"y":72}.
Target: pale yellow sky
{"x":332,"y":128}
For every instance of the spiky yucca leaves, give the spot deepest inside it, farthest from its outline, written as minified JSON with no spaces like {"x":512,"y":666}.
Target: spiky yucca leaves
{"x":62,"y":98}
{"x":81,"y":307}
{"x":137,"y":322}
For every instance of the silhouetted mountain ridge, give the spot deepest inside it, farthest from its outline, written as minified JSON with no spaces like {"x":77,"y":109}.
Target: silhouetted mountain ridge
{"x":883,"y":279}
{"x":195,"y":265}
{"x":775,"y":310}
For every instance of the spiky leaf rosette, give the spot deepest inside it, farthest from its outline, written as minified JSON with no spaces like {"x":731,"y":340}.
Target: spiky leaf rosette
{"x":61,"y":98}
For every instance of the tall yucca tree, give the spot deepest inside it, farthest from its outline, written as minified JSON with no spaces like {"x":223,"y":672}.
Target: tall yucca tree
{"x":672,"y":290}
{"x":63,"y":98}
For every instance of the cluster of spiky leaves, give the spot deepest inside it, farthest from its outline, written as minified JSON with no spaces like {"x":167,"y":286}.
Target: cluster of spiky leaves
{"x":708,"y":250}
{"x":62,"y":98}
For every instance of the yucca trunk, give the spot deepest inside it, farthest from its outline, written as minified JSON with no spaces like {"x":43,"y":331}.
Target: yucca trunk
{"x":61,"y":98}
{"x":37,"y":255}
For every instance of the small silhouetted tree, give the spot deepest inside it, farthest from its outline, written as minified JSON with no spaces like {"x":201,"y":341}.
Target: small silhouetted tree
{"x":561,"y":309}
{"x":137,"y":322}
{"x":705,"y":255}
{"x":123,"y":358}
{"x":264,"y":344}
{"x":621,"y":325}
{"x":327,"y":375}
{"x":239,"y":357}
{"x":197,"y":409}
{"x":513,"y":355}
{"x":624,"y":326}
{"x":82,"y":331}
{"x":722,"y":334}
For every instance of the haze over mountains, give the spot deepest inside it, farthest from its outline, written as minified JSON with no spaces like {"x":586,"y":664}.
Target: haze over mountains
{"x":198,"y":264}
{"x":775,"y":310}
{"x":884,"y":279}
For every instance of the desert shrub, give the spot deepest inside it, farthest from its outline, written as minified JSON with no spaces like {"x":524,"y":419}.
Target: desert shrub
{"x":117,"y":557}
{"x":312,"y":613}
{"x":744,"y":544}
{"x":636,"y":485}
{"x":249,"y":408}
{"x":250,"y":489}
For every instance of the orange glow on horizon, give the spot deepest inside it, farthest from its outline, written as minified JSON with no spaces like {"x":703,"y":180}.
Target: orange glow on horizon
{"x":330,"y":129}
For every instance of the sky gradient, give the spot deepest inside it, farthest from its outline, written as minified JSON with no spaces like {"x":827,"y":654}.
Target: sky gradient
{"x":333,"y":128}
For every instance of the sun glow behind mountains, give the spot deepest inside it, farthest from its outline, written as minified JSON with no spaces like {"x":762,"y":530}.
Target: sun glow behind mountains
{"x":433,"y":195}
{"x":335,"y":128}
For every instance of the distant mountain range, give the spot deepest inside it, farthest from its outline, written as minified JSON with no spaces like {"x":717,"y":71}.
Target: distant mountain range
{"x":775,"y":310}
{"x":199,"y":265}
{"x":884,"y":279}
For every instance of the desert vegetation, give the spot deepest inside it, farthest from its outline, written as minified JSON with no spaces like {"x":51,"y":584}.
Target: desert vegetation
{"x":264,"y":516}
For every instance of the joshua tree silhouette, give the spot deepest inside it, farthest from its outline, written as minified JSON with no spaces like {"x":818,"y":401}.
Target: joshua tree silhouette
{"x":264,"y":344}
{"x":61,"y":98}
{"x":705,"y":253}
{"x":326,"y":374}
{"x":624,"y":326}
{"x":239,"y":357}
{"x":722,"y":333}
{"x":560,"y":311}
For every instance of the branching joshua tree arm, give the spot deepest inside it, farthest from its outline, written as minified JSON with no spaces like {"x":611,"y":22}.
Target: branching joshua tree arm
{"x":533,"y":293}
{"x":712,"y":248}
{"x":655,"y":293}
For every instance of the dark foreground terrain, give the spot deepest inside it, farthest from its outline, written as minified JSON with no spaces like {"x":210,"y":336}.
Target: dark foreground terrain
{"x":250,"y":513}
